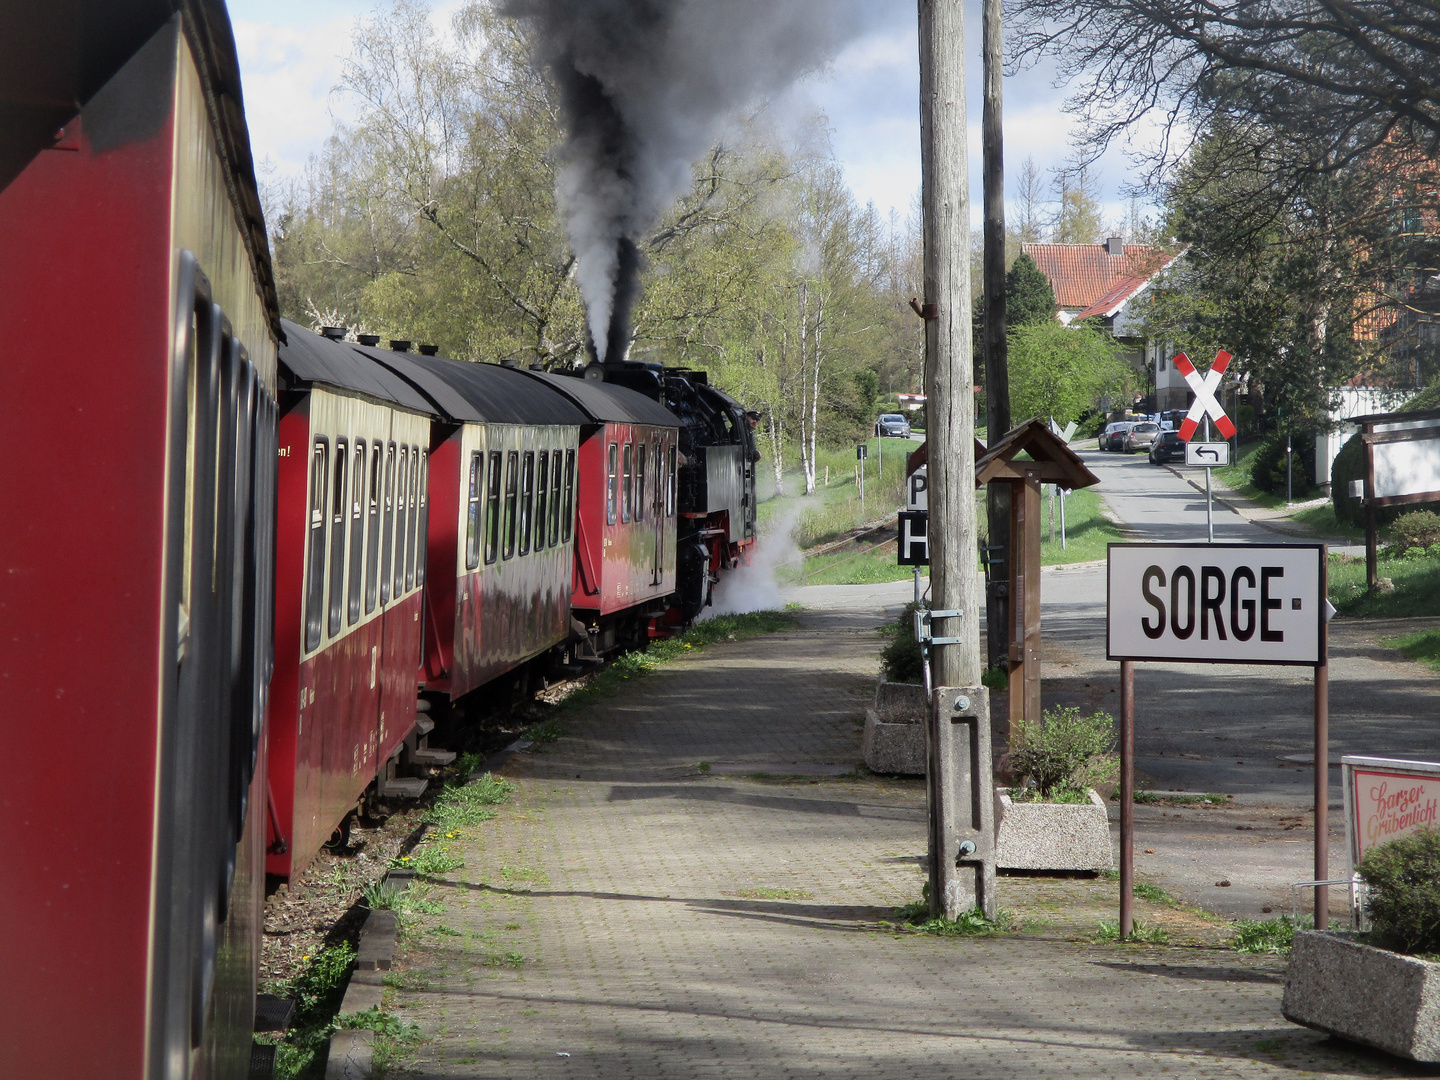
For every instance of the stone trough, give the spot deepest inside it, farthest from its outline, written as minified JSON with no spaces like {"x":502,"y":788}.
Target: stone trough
{"x":894,"y":740}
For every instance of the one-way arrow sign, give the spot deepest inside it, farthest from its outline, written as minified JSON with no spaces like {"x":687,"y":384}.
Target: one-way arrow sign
{"x":1209,"y":454}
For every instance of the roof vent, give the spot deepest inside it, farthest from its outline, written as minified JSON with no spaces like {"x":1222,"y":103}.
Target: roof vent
{"x":368,"y":340}
{"x":510,"y":362}
{"x":399,"y":346}
{"x":334,"y":333}
{"x":1114,"y":246}
{"x":428,"y":350}
{"x":537,"y":367}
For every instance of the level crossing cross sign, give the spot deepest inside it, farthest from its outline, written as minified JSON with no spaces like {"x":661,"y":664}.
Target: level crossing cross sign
{"x":1204,"y":387}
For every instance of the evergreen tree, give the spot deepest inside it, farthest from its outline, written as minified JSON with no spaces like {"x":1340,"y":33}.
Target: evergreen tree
{"x":1028,"y":296}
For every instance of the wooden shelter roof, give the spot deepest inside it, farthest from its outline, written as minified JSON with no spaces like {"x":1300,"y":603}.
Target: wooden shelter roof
{"x":1058,"y":463}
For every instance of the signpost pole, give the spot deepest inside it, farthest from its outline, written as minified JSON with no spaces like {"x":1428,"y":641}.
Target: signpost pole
{"x":1322,"y":758}
{"x":1209,"y":519}
{"x":1127,"y":798}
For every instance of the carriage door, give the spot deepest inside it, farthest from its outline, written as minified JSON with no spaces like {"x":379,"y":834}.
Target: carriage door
{"x":657,"y":515}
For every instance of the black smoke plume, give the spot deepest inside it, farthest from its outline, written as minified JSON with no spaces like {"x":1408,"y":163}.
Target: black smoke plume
{"x":646,"y":87}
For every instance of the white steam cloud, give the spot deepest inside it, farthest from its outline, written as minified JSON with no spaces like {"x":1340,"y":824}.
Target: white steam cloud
{"x":753,"y":586}
{"x":647,"y":86}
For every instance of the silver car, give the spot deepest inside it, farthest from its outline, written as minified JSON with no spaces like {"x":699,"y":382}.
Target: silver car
{"x":1140,"y":437}
{"x":892,"y":426}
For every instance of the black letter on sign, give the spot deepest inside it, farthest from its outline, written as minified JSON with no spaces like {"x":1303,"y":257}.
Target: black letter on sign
{"x":1248,"y":631}
{"x":1211,"y":601}
{"x":1157,"y":575}
{"x":1267,"y":605}
{"x":1189,"y":576}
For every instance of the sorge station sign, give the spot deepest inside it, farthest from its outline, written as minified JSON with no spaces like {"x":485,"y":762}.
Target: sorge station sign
{"x":1217,"y":603}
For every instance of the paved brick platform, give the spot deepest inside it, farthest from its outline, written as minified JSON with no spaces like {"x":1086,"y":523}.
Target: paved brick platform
{"x":632,"y":914}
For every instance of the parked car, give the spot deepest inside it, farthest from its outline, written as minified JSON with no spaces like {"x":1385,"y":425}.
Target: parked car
{"x":1114,"y":432}
{"x":892,"y":426}
{"x":1140,"y":437}
{"x":1167,"y":447}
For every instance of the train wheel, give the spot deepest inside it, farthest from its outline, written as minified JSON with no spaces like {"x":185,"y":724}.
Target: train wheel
{"x":340,"y":838}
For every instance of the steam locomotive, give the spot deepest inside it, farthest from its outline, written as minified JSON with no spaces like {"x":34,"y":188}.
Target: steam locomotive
{"x":240,"y":557}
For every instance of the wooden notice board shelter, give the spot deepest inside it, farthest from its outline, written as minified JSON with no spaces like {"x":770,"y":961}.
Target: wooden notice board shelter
{"x":1028,"y":456}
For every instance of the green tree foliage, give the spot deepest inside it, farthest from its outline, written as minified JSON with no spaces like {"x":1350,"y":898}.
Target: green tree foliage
{"x":1061,"y":371}
{"x":1028,"y":295}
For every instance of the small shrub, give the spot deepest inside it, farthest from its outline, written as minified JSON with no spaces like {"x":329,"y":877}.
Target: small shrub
{"x":901,"y":659}
{"x":1417,"y":529}
{"x":1267,"y":469}
{"x":1349,"y":465}
{"x":1404,"y":880}
{"x":1064,"y":753}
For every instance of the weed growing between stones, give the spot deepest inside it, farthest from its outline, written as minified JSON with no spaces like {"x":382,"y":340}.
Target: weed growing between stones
{"x":468,"y":803}
{"x":1140,"y":934}
{"x":393,"y":1036}
{"x":1266,"y":936}
{"x":774,"y":894}
{"x":317,"y":991}
{"x":915,"y":918}
{"x":1160,"y":797}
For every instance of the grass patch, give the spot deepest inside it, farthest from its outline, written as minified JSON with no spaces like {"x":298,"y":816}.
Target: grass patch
{"x":388,"y":896}
{"x":1323,"y":520}
{"x":1237,"y":475}
{"x":869,"y":566}
{"x":774,"y":894}
{"x":468,"y":803}
{"x":1087,"y":530}
{"x":1423,"y":645}
{"x":1416,"y":581}
{"x":1160,"y":798}
{"x":429,"y":859}
{"x":393,"y":1036}
{"x":1143,"y":890}
{"x":915,"y":918}
{"x":1140,"y":934}
{"x":633,"y":665}
{"x":1266,"y":936}
{"x":317,"y":991}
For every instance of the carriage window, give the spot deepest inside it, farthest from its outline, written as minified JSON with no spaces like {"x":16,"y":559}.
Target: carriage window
{"x":640,"y":483}
{"x":542,"y":492}
{"x":612,"y":484}
{"x":413,"y":521}
{"x":338,"y":517}
{"x":472,"y":515}
{"x":402,"y":513}
{"x":315,"y":587}
{"x":555,"y":468}
{"x":372,"y":539}
{"x":357,"y":530}
{"x":628,"y":485}
{"x":389,"y":530}
{"x":422,"y":527}
{"x":527,"y":500}
{"x":492,"y":508}
{"x":568,"y":521}
{"x":512,"y":466}
{"x":670,"y":485}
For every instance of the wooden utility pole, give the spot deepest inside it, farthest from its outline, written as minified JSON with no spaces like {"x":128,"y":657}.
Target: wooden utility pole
{"x":997,"y":373}
{"x":958,"y":775}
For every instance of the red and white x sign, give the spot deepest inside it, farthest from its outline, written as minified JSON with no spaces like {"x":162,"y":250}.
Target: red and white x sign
{"x":1204,"y":387}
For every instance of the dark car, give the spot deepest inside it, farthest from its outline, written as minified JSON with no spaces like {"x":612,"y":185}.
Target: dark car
{"x":1114,"y":434}
{"x":892,"y":426}
{"x":1167,"y":447}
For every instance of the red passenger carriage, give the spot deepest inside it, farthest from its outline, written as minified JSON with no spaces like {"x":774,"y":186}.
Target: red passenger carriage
{"x":137,"y":377}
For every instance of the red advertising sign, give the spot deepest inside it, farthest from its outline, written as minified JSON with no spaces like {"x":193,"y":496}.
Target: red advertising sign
{"x":1385,"y":798}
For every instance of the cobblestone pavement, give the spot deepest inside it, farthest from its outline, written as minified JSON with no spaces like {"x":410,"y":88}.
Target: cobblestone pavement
{"x":677,"y":890}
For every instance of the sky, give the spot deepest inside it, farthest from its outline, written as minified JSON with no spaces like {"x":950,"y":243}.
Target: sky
{"x":291,"y":54}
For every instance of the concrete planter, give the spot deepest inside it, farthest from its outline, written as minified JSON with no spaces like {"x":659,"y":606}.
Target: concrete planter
{"x":1052,"y":836}
{"x":1373,"y":996}
{"x":894,"y":740}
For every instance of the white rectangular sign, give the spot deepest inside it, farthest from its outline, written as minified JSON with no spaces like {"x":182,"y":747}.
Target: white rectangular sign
{"x":1386,"y":798}
{"x":1216,"y":603}
{"x":1208,"y":454}
{"x":916,"y":490}
{"x":1407,"y":468}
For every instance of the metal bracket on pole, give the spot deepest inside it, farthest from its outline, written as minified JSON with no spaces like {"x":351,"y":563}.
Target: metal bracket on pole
{"x":922,"y":627}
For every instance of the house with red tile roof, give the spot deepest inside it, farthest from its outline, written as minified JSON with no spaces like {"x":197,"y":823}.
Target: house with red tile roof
{"x":1101,"y":281}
